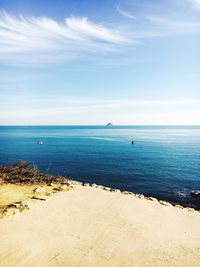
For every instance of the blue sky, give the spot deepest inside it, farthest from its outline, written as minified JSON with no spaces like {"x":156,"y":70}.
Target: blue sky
{"x":90,"y":62}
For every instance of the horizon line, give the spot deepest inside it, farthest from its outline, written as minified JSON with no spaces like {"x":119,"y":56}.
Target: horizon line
{"x":113,"y":125}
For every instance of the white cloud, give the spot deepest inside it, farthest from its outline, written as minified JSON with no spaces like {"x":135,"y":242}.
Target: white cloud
{"x":83,"y":27}
{"x":195,"y":4}
{"x":90,"y":111}
{"x":41,"y":39}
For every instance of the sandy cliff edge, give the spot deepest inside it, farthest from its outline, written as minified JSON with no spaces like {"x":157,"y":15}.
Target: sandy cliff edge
{"x":95,"y":227}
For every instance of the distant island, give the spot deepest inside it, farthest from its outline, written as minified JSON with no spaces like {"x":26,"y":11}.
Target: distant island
{"x":109,"y":124}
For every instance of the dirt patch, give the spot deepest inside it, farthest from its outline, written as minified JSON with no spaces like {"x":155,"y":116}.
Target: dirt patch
{"x":22,"y":182}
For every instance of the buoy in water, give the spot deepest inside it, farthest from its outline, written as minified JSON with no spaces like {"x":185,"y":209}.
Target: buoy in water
{"x":40,"y":142}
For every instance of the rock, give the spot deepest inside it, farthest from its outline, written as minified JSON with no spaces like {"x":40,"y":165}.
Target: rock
{"x":106,"y":188}
{"x":93,"y":185}
{"x":179,"y":206}
{"x":190,"y":209}
{"x":42,"y":198}
{"x":25,"y":203}
{"x":152,"y":199}
{"x":85,"y":184}
{"x":39,"y":190}
{"x":165,"y":203}
{"x":115,"y":190}
{"x":63,"y":188}
{"x":140,"y":196}
{"x":126,"y":192}
{"x":17,"y":204}
{"x":100,"y":186}
{"x":112,"y":190}
{"x":67,"y":183}
{"x":11,"y":210}
{"x":21,"y":206}
{"x":60,"y":188}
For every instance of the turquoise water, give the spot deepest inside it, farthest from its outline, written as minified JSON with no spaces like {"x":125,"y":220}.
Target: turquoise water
{"x":163,"y":162}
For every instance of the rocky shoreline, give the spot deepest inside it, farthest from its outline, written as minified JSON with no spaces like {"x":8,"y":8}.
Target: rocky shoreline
{"x":23,"y":174}
{"x":140,"y":196}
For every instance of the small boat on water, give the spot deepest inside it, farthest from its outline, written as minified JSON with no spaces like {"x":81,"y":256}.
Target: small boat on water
{"x":40,"y":142}
{"x":132,"y":142}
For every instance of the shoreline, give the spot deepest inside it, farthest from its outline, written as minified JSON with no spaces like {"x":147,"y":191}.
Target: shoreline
{"x":43,"y":192}
{"x":190,"y":204}
{"x":18,"y":175}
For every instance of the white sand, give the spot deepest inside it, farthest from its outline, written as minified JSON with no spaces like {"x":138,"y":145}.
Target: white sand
{"x":92,"y":227}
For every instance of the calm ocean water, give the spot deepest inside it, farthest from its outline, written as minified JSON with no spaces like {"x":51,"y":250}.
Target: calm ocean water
{"x":164,"y":161}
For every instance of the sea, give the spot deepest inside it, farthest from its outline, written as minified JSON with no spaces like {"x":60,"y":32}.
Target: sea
{"x":162,"y":162}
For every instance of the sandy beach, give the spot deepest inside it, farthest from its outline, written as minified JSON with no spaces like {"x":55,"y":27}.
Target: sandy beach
{"x":90,"y":226}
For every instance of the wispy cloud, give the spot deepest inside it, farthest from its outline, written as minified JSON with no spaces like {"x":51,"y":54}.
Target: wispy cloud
{"x":41,"y":39}
{"x":68,"y":110}
{"x":154,"y":21}
{"x":125,"y":13}
{"x":175,"y":26}
{"x":80,"y":103}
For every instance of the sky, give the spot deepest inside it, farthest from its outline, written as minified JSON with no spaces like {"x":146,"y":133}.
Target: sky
{"x":129,"y":62}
